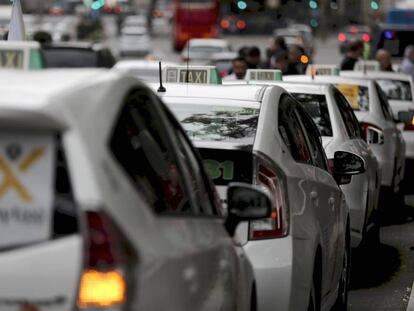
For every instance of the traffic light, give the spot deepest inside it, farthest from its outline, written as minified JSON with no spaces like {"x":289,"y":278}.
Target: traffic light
{"x":241,"y":5}
{"x":313,"y":4}
{"x":374,"y":5}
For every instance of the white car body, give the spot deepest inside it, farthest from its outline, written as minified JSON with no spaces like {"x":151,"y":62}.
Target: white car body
{"x":145,"y":70}
{"x":201,"y":50}
{"x":134,"y":41}
{"x":317,"y":237}
{"x":398,"y":102}
{"x":385,"y":138}
{"x":165,"y":262}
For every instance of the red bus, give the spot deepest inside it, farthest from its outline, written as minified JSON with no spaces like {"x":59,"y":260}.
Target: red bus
{"x":194,"y":19}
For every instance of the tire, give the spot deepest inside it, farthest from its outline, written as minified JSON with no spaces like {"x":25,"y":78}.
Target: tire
{"x":341,"y":303}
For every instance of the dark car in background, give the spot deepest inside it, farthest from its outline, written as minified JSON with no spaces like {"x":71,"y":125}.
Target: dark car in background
{"x":352,"y":33}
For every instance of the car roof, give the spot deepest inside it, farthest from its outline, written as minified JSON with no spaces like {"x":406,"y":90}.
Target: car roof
{"x":327,"y":79}
{"x":132,"y":30}
{"x":215,"y":42}
{"x":375,"y":75}
{"x":141,"y":64}
{"x":306,"y":88}
{"x":72,"y":45}
{"x":250,"y":93}
{"x":50,"y":91}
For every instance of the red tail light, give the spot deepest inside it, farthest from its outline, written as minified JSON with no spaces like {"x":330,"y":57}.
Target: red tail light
{"x":342,"y":37}
{"x":373,"y":134}
{"x":241,"y":24}
{"x":103,"y":282}
{"x":277,"y":225}
{"x":366,"y":37}
{"x":225,"y":24}
{"x":408,"y":127}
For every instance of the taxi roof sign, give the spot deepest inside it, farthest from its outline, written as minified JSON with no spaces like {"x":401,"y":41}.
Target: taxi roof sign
{"x":264,"y":75}
{"x":191,"y":74}
{"x":367,"y":65}
{"x":21,"y":55}
{"x":322,"y":70}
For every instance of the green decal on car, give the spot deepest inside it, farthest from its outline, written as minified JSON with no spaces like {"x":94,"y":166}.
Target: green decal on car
{"x":224,"y":170}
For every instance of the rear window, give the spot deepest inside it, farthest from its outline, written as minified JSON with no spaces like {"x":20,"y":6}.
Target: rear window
{"x":396,"y":89}
{"x":70,"y":58}
{"x":317,"y":108}
{"x":357,"y":96}
{"x":218,"y":123}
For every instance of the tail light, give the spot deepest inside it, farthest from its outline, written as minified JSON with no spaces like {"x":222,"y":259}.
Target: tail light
{"x":225,"y":24}
{"x":241,"y":24}
{"x":342,"y":37}
{"x":408,"y":127}
{"x":373,"y":134}
{"x":103,"y":282}
{"x":366,"y":37}
{"x":277,"y":225}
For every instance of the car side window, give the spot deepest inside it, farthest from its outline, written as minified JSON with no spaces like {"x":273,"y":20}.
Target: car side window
{"x":140,"y":144}
{"x":291,"y":131}
{"x":199,"y":189}
{"x":385,"y":106}
{"x":351,"y":123}
{"x":314,"y":139}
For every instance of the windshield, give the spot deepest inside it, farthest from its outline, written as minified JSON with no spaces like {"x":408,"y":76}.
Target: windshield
{"x":357,"y":96}
{"x":396,"y":89}
{"x":317,"y":108}
{"x":218,"y":123}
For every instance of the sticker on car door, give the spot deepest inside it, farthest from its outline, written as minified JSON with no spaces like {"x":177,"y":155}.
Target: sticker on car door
{"x":26,"y":188}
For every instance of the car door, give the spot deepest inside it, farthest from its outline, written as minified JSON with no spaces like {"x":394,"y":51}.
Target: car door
{"x":185,"y":252}
{"x":327,"y":199}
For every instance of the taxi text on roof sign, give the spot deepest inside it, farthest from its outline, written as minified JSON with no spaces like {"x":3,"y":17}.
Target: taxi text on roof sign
{"x":191,"y":74}
{"x":322,"y":70}
{"x":20,"y":55}
{"x":367,"y":65}
{"x":263,"y":75}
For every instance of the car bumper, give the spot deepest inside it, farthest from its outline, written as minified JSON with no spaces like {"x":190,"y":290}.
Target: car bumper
{"x":272,"y":264}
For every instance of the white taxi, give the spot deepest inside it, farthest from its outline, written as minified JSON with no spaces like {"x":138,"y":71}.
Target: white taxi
{"x":261,"y":135}
{"x":105,"y":205}
{"x":373,"y":112}
{"x":340,"y":131}
{"x":399,"y":90}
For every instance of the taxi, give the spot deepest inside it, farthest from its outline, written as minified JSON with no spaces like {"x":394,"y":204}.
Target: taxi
{"x":375,"y":116}
{"x":261,"y":135}
{"x":340,"y":131}
{"x":115,"y":213}
{"x":399,"y":90}
{"x":22,"y":55}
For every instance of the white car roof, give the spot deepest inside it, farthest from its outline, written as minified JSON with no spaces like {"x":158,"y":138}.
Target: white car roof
{"x":211,"y":42}
{"x":141,"y":64}
{"x":376,"y":75}
{"x":327,"y":79}
{"x":57,"y":94}
{"x":247,"y":93}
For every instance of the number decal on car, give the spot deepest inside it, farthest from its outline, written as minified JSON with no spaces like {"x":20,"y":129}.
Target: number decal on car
{"x":217,"y":169}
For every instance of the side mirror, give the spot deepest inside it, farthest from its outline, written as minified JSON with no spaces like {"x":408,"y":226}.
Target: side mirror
{"x":406,"y":116}
{"x":246,"y":202}
{"x":347,"y":164}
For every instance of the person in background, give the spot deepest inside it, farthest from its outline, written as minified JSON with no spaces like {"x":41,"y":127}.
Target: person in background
{"x":281,"y":62}
{"x":355,"y":51}
{"x":253,"y":58}
{"x":277,"y":45}
{"x":238,"y":70}
{"x":407,"y":65}
{"x":383,"y":57}
{"x":295,"y":54}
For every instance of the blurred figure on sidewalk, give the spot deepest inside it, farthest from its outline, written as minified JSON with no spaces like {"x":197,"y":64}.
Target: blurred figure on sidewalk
{"x":239,"y":69}
{"x":281,"y":62}
{"x":295,"y":57}
{"x":253,"y":58}
{"x":383,"y":57}
{"x":407,"y":65}
{"x":277,"y":45}
{"x":355,"y":51}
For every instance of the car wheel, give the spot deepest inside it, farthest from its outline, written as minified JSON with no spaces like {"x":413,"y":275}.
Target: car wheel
{"x":342,"y":300}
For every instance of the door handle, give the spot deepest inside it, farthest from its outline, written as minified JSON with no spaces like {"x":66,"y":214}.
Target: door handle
{"x":331,"y":203}
{"x":314,"y":195}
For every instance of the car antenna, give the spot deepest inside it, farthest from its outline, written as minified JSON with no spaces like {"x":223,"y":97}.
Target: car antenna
{"x":161,"y":89}
{"x":188,"y":49}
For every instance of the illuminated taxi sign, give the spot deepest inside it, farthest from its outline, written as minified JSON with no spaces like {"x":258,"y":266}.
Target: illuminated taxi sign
{"x":322,"y":70}
{"x":367,"y":65}
{"x":263,"y":75}
{"x":20,"y":55}
{"x":192,"y":74}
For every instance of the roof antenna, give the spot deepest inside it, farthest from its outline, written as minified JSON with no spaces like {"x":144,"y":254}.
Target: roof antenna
{"x":161,"y":89}
{"x":364,"y":67}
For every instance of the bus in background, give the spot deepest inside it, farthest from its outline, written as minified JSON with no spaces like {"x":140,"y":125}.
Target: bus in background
{"x":194,"y":19}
